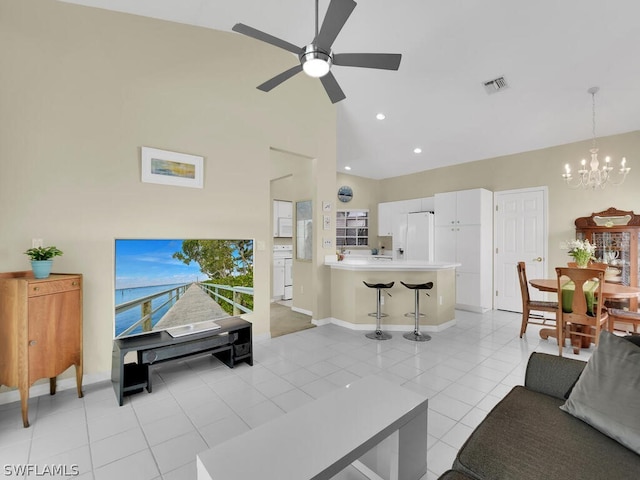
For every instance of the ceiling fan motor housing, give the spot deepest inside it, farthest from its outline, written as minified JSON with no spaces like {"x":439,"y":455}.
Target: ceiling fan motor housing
{"x":315,"y":61}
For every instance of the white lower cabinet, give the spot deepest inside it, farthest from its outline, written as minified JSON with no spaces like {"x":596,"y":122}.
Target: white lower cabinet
{"x":288,"y":279}
{"x":278,"y":278}
{"x":462,"y":244}
{"x":446,"y":244}
{"x":470,"y":248}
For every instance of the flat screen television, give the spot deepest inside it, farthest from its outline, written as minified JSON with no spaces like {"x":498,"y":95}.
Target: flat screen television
{"x":180,"y":285}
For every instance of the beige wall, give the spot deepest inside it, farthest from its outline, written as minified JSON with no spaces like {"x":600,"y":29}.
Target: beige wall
{"x":83,"y":89}
{"x":530,"y":169}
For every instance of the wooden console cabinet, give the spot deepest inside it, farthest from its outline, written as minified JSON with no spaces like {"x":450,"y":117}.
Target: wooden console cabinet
{"x":40,"y":330}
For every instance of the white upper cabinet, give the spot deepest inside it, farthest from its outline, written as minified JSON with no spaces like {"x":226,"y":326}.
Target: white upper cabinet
{"x":471,"y":206}
{"x":427,"y":204}
{"x":392,"y":215}
{"x":445,"y":208}
{"x":284,"y":208}
{"x":282,"y":218}
{"x":466,"y":207}
{"x":408,"y":206}
{"x":385,"y":219}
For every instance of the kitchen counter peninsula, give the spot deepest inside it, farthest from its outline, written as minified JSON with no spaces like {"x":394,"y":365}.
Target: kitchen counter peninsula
{"x":351,"y":300}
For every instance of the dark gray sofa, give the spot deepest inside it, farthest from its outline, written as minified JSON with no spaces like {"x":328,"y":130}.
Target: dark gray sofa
{"x":527,"y":435}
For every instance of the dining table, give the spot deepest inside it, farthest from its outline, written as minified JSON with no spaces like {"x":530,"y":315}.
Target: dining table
{"x":610,"y":290}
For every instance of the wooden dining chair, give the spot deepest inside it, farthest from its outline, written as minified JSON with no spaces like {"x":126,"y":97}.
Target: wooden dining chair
{"x":581,"y":305}
{"x":528,"y":305}
{"x":598,"y":265}
{"x":623,"y":316}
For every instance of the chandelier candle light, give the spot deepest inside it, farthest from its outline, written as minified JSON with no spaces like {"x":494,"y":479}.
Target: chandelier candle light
{"x":595,"y":177}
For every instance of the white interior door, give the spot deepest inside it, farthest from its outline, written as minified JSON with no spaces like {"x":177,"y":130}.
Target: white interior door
{"x":520,"y":228}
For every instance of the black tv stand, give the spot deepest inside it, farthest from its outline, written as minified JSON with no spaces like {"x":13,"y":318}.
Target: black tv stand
{"x":231,"y":343}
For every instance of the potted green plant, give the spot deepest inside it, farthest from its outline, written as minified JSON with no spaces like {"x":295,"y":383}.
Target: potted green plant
{"x":581,"y":251}
{"x":42,"y":259}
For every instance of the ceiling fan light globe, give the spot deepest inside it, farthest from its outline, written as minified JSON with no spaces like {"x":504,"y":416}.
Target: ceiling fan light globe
{"x":315,"y":62}
{"x":316,"y":67}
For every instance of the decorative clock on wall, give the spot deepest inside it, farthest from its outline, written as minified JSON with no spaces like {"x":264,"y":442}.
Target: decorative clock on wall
{"x":345,"y":194}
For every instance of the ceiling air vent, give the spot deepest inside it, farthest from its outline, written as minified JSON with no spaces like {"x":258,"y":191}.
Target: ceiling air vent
{"x":495,"y":85}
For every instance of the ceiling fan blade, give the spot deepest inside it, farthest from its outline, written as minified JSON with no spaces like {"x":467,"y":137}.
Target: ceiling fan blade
{"x":335,"y":18}
{"x":278,"y":79}
{"x":265,"y":37}
{"x":385,"y":61}
{"x":332,"y":88}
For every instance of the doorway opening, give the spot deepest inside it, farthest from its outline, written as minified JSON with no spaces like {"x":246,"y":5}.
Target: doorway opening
{"x":291,"y":182}
{"x":285,"y":320}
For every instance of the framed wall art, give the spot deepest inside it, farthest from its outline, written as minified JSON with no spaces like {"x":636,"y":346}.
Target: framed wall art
{"x":171,"y":168}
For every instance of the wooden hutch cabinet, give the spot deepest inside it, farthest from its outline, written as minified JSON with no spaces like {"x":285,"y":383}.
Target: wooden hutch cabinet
{"x":615,"y":235}
{"x":40,"y":330}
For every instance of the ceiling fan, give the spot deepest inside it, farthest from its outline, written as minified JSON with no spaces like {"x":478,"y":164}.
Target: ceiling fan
{"x":317,"y":58}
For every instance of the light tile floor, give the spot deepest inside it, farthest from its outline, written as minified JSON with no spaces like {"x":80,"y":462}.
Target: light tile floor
{"x":199,"y":403}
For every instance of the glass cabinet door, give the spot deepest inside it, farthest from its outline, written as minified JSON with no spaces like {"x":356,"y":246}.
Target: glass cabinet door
{"x":614,"y":249}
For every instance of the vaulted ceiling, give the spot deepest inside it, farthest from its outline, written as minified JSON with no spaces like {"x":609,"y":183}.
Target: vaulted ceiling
{"x":550,"y":52}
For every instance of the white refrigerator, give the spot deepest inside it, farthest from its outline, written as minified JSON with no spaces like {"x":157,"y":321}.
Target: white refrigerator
{"x":420,"y":234}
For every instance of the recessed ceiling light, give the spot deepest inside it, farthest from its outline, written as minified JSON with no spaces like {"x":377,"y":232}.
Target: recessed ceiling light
{"x":347,"y":167}
{"x":417,"y":150}
{"x":381,"y":116}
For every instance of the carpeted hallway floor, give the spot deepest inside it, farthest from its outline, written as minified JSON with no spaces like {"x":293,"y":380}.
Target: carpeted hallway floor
{"x":284,"y":320}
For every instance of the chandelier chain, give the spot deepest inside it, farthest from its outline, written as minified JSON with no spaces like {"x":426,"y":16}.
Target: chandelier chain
{"x":592,"y":175}
{"x":593,"y":118}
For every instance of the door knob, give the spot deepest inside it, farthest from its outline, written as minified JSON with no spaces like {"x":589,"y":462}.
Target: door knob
{"x":32,"y":343}
{"x":539,"y":259}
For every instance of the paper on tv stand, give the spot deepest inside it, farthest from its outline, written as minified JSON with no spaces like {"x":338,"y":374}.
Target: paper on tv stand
{"x":192,"y":328}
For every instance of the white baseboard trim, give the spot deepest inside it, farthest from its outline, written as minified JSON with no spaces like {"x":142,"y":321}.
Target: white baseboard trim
{"x":303,"y":311}
{"x":439,"y":328}
{"x":472,"y":308}
{"x":62,"y":384}
{"x":323,"y":321}
{"x":390,"y":328}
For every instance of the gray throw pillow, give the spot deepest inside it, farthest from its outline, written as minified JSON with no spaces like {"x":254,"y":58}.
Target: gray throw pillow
{"x":607,"y":394}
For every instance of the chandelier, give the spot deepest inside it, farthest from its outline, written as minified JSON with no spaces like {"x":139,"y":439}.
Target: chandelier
{"x":595,"y":177}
